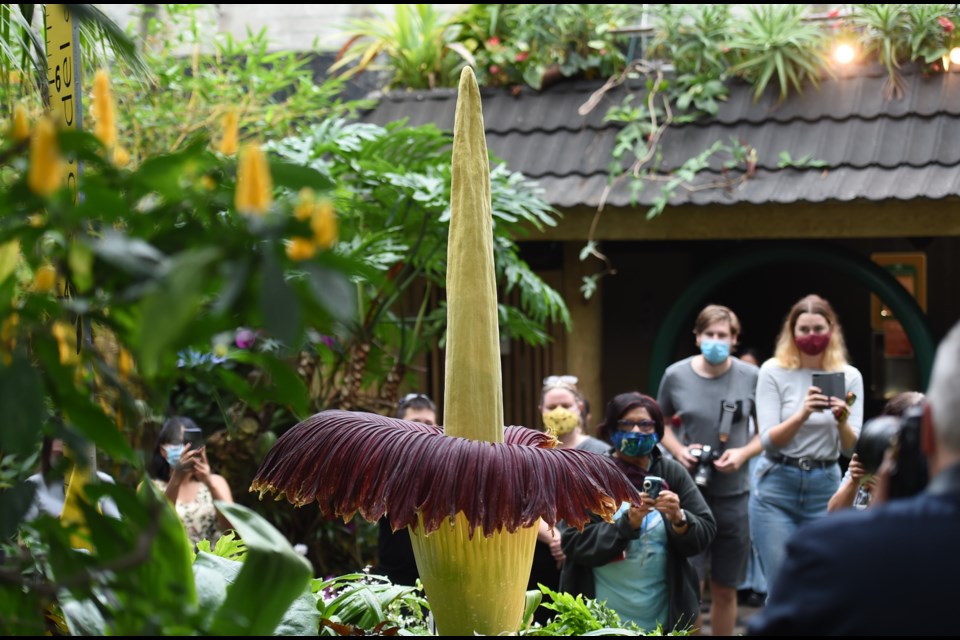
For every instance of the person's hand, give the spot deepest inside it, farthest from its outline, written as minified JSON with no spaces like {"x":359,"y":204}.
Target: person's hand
{"x":815,"y":401}
{"x":201,"y":468}
{"x":841,"y":411}
{"x":731,"y":460}
{"x":857,"y":471}
{"x":637,"y":513}
{"x":668,"y":504}
{"x":687,"y":460}
{"x":556,"y":551}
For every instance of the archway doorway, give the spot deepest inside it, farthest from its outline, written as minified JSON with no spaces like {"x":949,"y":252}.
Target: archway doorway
{"x":855,"y":266}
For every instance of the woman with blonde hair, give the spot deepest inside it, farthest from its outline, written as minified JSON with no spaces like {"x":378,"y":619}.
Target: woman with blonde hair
{"x":802,"y":430}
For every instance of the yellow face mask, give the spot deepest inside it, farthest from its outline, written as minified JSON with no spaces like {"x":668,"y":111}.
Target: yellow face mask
{"x":560,"y":421}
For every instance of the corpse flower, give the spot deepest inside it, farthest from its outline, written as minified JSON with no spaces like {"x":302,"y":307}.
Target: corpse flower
{"x":473,"y":493}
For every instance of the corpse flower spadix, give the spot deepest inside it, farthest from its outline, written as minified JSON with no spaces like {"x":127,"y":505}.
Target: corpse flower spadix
{"x":473,"y":493}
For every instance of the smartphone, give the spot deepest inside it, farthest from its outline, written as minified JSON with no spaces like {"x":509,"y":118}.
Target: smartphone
{"x":652,"y":486}
{"x":831,"y":384}
{"x":193,"y":437}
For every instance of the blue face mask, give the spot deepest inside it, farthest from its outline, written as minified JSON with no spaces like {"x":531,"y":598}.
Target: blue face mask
{"x":174,"y":451}
{"x":715,"y":351}
{"x":634,"y":444}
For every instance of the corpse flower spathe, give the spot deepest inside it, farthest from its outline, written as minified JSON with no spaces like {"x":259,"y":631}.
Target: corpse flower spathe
{"x":472,"y":494}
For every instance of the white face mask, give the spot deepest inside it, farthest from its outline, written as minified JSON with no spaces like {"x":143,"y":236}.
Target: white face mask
{"x":560,"y":421}
{"x":174,"y":451}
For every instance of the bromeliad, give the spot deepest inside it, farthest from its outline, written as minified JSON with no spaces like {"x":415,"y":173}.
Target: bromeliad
{"x":473,"y":493}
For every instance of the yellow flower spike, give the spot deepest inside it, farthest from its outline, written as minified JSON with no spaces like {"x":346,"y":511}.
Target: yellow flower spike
{"x":8,"y":337}
{"x":305,"y":202}
{"x":46,"y":164}
{"x":66,"y":336}
{"x":208,"y":183}
{"x":300,"y":249}
{"x":20,"y":126}
{"x":324,"y":225}
{"x":220,"y":350}
{"x":120,"y":157}
{"x":254,"y":193}
{"x":124,"y":364}
{"x":230,"y":142}
{"x":104,"y":112}
{"x":76,"y":495}
{"x":44,"y":279}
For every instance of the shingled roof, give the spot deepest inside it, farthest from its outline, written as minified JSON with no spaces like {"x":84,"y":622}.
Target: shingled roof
{"x":875,"y":149}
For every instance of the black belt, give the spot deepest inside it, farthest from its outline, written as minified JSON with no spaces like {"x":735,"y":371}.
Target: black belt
{"x":802,"y":463}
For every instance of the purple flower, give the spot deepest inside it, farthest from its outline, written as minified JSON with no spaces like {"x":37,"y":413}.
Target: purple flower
{"x":328,"y":341}
{"x":245,"y":338}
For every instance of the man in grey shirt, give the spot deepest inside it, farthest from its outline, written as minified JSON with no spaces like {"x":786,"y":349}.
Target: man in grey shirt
{"x":708,"y":395}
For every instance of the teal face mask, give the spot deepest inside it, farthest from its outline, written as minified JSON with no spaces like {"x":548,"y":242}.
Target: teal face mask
{"x":174,"y":451}
{"x":634,"y":444}
{"x":715,"y":351}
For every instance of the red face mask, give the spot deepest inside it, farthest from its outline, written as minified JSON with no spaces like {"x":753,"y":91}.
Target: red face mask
{"x":813,"y":344}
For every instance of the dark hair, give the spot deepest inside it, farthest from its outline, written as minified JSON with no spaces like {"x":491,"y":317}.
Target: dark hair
{"x":901,"y":402}
{"x":624,"y":403}
{"x":171,"y":433}
{"x":414,"y":401}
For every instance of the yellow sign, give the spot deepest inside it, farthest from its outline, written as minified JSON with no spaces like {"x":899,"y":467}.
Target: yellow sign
{"x":63,"y":76}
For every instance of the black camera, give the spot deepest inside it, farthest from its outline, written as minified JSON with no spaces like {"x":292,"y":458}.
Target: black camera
{"x":705,"y":456}
{"x":901,"y":436}
{"x":652,"y":486}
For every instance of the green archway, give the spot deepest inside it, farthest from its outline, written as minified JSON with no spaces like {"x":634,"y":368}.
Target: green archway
{"x":874,"y":277}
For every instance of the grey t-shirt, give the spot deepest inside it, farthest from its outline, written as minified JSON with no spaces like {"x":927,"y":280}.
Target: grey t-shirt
{"x":698,"y":400}
{"x":780,"y":394}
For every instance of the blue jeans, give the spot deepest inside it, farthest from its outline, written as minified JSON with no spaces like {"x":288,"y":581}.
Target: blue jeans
{"x":755,"y":580}
{"x":783,"y":498}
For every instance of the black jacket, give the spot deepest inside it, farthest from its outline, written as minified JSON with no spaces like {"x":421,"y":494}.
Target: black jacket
{"x":601,"y":542}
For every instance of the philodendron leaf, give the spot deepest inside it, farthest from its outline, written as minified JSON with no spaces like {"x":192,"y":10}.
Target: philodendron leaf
{"x":270,"y":580}
{"x":169,"y":310}
{"x":21,"y":396}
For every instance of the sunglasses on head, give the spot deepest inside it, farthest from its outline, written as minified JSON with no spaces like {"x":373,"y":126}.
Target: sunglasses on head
{"x":410,"y":397}
{"x":561,"y":381}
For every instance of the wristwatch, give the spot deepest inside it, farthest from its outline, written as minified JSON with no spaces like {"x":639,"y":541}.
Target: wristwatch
{"x":683,"y":520}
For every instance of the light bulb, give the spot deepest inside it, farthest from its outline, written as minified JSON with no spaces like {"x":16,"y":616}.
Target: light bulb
{"x":844,"y":53}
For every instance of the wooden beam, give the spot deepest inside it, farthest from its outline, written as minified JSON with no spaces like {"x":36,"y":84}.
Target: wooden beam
{"x":584,"y":345}
{"x":803,"y":220}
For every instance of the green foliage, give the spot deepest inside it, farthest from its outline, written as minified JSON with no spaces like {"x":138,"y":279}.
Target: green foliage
{"x":419,"y":43}
{"x":142,"y":579}
{"x":580,"y":616}
{"x":228,"y":546}
{"x":361,"y":601}
{"x":273,"y":92}
{"x":774,"y":42}
{"x":525,"y":43}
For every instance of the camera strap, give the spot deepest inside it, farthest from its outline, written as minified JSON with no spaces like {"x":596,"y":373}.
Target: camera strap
{"x":726,"y":422}
{"x":728,"y":409}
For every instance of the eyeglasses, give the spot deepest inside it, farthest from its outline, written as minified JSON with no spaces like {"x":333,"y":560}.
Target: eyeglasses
{"x":561,"y":381}
{"x":628,"y":425}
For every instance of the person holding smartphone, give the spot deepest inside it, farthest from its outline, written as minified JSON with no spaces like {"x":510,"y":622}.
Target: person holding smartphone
{"x":640,"y":562}
{"x":179,"y":467}
{"x":802,"y":430}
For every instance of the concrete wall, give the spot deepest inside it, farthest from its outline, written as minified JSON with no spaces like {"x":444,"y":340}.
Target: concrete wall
{"x":300,"y":27}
